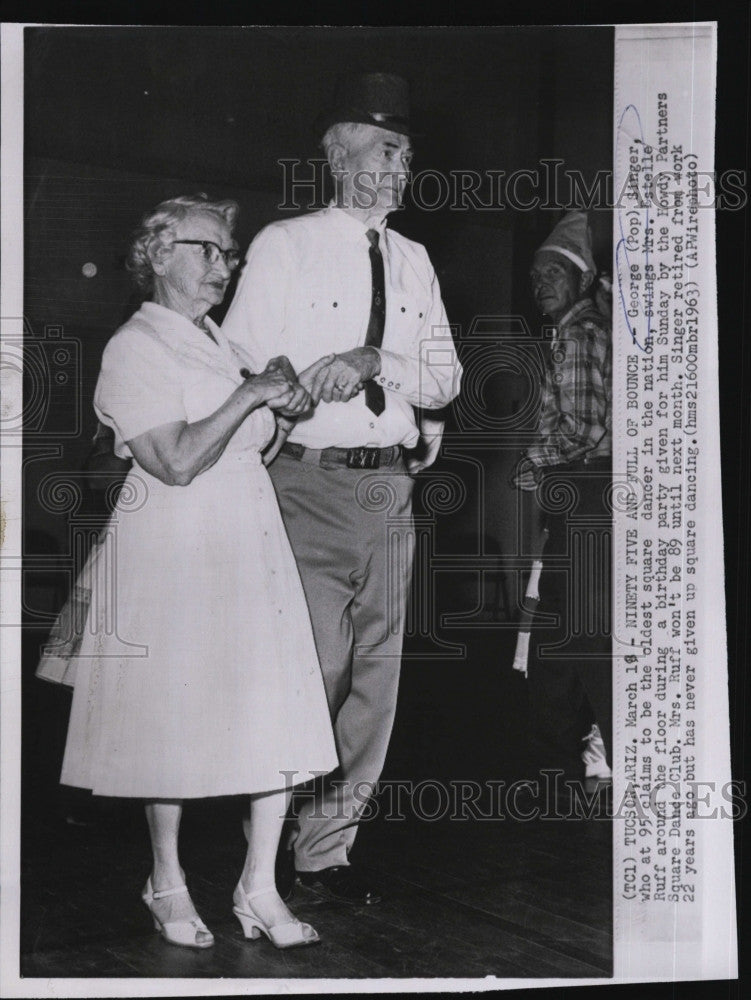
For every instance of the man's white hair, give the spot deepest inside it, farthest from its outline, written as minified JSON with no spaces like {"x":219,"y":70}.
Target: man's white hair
{"x":343,"y":134}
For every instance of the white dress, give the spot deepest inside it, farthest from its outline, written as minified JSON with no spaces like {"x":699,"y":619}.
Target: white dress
{"x":197,"y":673}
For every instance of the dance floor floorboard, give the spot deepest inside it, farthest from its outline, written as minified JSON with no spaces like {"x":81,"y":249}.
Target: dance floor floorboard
{"x":463,"y":897}
{"x":524,"y":902}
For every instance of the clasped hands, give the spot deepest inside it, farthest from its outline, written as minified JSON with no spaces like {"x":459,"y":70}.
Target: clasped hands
{"x":334,"y":378}
{"x":526,"y":475}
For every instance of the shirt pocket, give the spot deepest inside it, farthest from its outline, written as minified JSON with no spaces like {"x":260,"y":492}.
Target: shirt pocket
{"x":333,"y":308}
{"x":407,"y":313}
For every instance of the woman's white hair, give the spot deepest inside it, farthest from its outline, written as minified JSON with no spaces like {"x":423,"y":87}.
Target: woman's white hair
{"x":159,"y":225}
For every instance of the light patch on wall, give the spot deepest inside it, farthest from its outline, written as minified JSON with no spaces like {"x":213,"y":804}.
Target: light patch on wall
{"x":89,"y":270}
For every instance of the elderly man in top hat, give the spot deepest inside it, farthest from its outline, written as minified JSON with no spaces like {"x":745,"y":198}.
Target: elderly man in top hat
{"x":569,"y":468}
{"x":339,"y":282}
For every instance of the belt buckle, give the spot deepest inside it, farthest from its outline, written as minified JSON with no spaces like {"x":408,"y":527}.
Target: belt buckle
{"x":363,"y":458}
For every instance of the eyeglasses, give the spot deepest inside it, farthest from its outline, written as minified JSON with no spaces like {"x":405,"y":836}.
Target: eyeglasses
{"x":211,"y":252}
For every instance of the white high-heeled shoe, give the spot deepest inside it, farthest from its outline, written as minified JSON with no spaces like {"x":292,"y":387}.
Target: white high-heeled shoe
{"x":189,"y":933}
{"x":291,"y":934}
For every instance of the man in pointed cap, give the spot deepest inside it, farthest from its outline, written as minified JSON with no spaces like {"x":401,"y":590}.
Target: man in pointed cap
{"x":571,"y":685}
{"x":339,"y":282}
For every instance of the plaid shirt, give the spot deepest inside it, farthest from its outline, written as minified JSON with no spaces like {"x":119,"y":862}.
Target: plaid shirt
{"x":576,"y":416}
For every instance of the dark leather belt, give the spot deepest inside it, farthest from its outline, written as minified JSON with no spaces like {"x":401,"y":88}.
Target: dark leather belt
{"x":350,"y":458}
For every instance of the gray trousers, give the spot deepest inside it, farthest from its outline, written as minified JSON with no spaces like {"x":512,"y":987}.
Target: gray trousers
{"x":351,"y":532}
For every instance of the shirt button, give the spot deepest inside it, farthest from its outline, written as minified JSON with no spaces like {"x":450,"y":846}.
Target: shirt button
{"x":420,"y":315}
{"x":403,"y":309}
{"x":391,"y":385}
{"x":398,"y":385}
{"x":372,"y":425}
{"x":336,"y":304}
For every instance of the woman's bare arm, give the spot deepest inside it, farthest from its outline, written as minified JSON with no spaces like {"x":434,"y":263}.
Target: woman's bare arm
{"x":176,"y":453}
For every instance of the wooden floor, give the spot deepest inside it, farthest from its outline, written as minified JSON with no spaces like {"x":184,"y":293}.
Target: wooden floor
{"x":462,"y":897}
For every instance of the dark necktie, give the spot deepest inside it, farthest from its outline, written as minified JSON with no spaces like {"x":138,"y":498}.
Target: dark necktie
{"x":374,"y":337}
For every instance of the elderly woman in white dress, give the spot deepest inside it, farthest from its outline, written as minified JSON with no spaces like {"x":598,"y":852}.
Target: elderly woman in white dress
{"x":198,"y":673}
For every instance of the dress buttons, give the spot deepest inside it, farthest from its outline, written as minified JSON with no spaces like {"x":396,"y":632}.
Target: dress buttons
{"x":335,"y":304}
{"x":391,"y":385}
{"x":420,"y":315}
{"x":372,"y":425}
{"x":403,"y":309}
{"x":398,"y":385}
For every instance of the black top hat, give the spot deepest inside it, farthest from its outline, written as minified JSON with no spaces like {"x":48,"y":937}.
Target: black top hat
{"x":380,"y":99}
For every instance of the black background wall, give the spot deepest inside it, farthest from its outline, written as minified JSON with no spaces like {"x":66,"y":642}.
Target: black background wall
{"x":79,"y":116}
{"x":117,"y":119}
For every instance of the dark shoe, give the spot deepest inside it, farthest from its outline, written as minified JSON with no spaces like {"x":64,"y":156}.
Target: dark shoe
{"x":284,"y":873}
{"x":340,"y":881}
